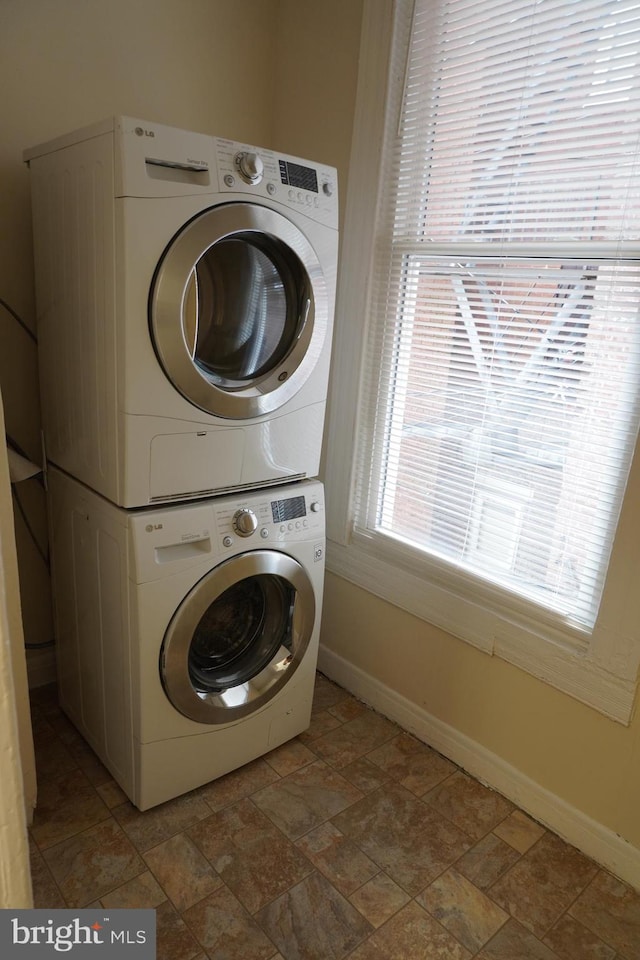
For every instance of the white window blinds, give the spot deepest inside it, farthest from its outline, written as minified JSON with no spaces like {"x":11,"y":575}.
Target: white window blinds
{"x":502,"y":384}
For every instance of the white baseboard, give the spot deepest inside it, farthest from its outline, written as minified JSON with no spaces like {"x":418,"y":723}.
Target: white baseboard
{"x":590,"y":837}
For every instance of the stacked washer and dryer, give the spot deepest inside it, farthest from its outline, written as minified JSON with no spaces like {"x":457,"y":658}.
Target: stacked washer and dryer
{"x":185,"y":289}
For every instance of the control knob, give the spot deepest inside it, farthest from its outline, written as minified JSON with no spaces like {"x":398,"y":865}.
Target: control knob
{"x":245,"y":522}
{"x":250,"y":167}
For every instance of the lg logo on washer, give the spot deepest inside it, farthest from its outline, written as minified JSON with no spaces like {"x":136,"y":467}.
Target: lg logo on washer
{"x":141,"y":132}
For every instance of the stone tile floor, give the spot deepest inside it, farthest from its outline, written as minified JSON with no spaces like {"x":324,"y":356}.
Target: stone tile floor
{"x":352,"y":841}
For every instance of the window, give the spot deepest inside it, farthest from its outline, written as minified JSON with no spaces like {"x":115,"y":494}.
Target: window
{"x":499,"y":398}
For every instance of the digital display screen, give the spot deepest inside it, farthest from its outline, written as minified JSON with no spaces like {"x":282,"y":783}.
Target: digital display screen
{"x":291,"y":509}
{"x":295,"y":175}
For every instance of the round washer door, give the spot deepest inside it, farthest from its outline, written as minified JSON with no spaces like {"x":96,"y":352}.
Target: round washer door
{"x":239,"y":310}
{"x":238,"y":637}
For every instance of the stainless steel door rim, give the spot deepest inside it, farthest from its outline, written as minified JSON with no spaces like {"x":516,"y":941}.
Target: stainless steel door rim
{"x":278,"y":239}
{"x":287,"y":651}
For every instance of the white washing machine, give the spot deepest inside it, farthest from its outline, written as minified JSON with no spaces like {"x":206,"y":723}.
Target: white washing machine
{"x":187,"y":636}
{"x":185,"y":288}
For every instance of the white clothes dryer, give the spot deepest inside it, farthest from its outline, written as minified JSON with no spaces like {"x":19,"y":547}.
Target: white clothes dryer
{"x":185,"y":289}
{"x":187,"y":636}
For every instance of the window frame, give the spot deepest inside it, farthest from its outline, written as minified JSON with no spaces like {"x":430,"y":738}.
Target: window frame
{"x":598,"y":667}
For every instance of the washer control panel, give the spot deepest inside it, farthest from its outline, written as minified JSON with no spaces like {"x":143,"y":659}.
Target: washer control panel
{"x":291,"y":514}
{"x":175,"y":537}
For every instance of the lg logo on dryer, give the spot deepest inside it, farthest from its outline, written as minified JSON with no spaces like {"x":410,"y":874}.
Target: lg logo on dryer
{"x":141,"y":132}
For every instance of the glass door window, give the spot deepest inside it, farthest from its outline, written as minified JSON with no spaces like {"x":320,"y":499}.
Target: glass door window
{"x":238,"y":636}
{"x":246,"y":304}
{"x":240,"y":632}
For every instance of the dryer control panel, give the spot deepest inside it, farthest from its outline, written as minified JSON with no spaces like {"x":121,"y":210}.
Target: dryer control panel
{"x":153,"y":160}
{"x":309,"y":188}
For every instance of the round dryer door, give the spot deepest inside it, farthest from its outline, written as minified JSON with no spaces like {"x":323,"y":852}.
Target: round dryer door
{"x":238,"y":637}
{"x":239,"y":310}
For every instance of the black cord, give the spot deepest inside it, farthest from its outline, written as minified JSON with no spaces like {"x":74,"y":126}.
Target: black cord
{"x":19,"y":320}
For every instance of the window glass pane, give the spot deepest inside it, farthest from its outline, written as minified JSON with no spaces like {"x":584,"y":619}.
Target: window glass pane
{"x":511,"y":405}
{"x":521,"y":121}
